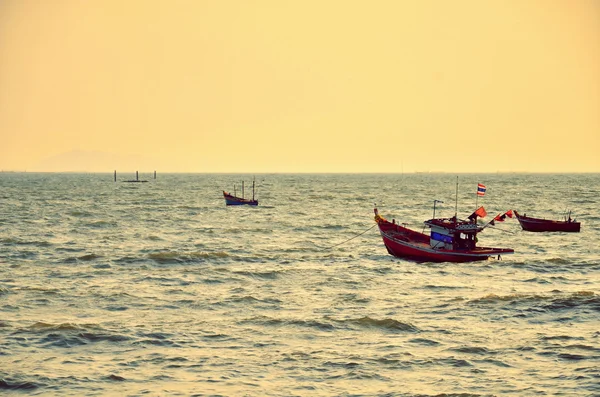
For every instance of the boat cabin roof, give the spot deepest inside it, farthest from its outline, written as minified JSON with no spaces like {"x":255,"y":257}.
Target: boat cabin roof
{"x":453,"y":225}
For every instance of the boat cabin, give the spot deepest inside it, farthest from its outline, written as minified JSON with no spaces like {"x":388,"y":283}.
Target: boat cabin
{"x":453,"y":234}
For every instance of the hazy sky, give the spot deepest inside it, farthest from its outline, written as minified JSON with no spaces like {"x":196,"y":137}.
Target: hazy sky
{"x":300,"y":86}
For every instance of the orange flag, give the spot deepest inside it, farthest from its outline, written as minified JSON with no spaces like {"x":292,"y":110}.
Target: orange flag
{"x":480,"y":212}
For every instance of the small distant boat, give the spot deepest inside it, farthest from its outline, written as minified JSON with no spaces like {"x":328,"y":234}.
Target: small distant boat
{"x":232,"y":199}
{"x":136,"y":180}
{"x":531,"y":224}
{"x":451,"y":240}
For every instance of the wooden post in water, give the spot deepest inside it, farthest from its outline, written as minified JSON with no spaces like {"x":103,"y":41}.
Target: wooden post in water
{"x":154,"y":174}
{"x":115,"y":175}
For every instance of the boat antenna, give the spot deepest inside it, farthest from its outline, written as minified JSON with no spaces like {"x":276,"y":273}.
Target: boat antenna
{"x":456,"y":200}
{"x":434,"y":203}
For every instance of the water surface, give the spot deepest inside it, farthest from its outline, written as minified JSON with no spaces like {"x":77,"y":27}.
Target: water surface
{"x":158,"y":288}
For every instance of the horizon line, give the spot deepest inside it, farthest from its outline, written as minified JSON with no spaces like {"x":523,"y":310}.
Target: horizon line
{"x":300,"y":172}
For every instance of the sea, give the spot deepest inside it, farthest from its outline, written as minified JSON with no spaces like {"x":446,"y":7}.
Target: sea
{"x":158,"y":289}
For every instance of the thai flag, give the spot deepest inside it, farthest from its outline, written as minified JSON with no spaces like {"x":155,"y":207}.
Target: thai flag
{"x":480,"y":189}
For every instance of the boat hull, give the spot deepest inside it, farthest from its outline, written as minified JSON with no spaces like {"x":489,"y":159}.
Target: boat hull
{"x":408,"y":244}
{"x":530,"y":224}
{"x":233,"y":200}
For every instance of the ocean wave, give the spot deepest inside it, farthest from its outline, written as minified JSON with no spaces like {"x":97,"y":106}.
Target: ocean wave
{"x":157,"y":342}
{"x":45,"y":327}
{"x":103,"y":266}
{"x":493,"y":298}
{"x":15,"y":384}
{"x":267,"y":275}
{"x":424,"y":341}
{"x":252,"y":299}
{"x":386,"y":324}
{"x":559,"y":337}
{"x":114,"y":378}
{"x":277,"y":322}
{"x":186,"y":257}
{"x":447,"y":395}
{"x":18,"y":241}
{"x":71,"y":333}
{"x":583,"y":347}
{"x":44,"y":290}
{"x":576,"y":300}
{"x":82,"y":258}
{"x":449,"y":361}
{"x":72,"y":340}
{"x":79,"y":213}
{"x":571,"y":357}
{"x":442,"y":287}
{"x":558,"y":261}
{"x":472,"y":350}
{"x":497,"y":363}
{"x":330,"y":226}
{"x":89,"y":257}
{"x":100,"y":225}
{"x":544,"y":303}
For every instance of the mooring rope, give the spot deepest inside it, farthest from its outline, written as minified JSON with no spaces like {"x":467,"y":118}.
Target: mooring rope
{"x":333,"y":246}
{"x":502,"y":230}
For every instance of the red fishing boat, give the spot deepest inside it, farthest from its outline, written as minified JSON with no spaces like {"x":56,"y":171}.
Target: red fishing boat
{"x":531,"y":224}
{"x":232,"y":199}
{"x":451,"y":240}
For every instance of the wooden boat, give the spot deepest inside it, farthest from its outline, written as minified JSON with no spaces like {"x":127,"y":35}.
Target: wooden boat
{"x":531,"y":224}
{"x":232,"y":199}
{"x":451,"y":240}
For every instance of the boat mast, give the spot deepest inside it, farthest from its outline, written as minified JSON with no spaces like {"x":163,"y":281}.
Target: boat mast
{"x":456,"y":200}
{"x":476,"y":197}
{"x":253,"y":180}
{"x":242,"y":189}
{"x":434,"y":202}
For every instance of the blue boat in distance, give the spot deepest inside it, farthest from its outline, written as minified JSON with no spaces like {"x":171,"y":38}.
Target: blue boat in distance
{"x":232,"y":199}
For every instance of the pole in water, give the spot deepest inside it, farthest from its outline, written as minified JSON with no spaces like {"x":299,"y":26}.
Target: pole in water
{"x":136,"y":176}
{"x":154,"y":174}
{"x":115,"y":175}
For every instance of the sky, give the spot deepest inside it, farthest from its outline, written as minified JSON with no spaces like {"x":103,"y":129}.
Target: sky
{"x":300,"y":86}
